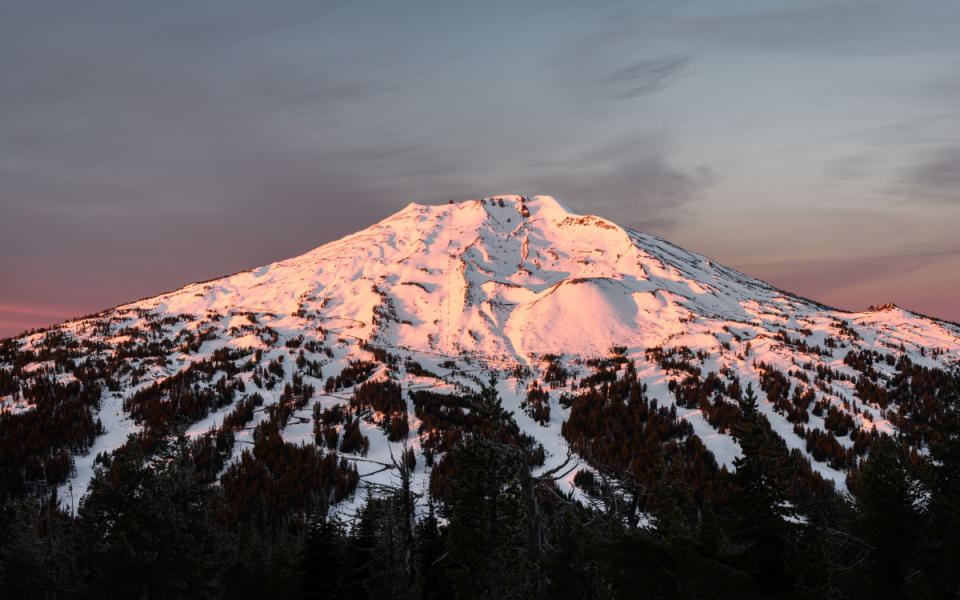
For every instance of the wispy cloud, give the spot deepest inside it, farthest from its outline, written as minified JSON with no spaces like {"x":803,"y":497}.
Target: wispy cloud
{"x":873,"y":27}
{"x":934,"y":177}
{"x":630,"y":180}
{"x":648,"y":75}
{"x":144,"y":145}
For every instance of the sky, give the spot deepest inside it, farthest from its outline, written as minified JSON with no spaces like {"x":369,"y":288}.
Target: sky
{"x":145,"y":144}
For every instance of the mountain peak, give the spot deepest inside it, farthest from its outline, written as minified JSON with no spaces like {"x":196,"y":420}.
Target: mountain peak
{"x":499,"y":283}
{"x":538,"y":204}
{"x":528,"y":206}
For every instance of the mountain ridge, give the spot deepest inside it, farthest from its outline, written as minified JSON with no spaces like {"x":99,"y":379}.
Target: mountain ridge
{"x":414,"y":205}
{"x":435,"y":297}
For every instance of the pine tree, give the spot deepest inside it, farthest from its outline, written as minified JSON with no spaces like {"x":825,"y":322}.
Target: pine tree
{"x":489,"y":406}
{"x":942,"y":478}
{"x":828,"y":554}
{"x":381,"y":541}
{"x":38,"y":556}
{"x":431,"y":559}
{"x":322,"y":560}
{"x":764,"y":539}
{"x":148,"y":527}
{"x":888,"y":500}
{"x":487,"y":533}
{"x":488,"y":509}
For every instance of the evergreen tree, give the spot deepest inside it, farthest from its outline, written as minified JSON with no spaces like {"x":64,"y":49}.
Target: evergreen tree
{"x":148,"y":528}
{"x":888,"y":500}
{"x":382,"y":549}
{"x":764,"y":540}
{"x":828,"y":555}
{"x":571,"y":567}
{"x":322,"y":561}
{"x":487,"y":535}
{"x":38,"y":555}
{"x":681,"y":552}
{"x":431,"y":558}
{"x":265,"y":555}
{"x":488,"y":405}
{"x":941,"y":561}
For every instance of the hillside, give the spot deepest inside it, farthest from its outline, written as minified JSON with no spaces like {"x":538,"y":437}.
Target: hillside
{"x":435,"y":299}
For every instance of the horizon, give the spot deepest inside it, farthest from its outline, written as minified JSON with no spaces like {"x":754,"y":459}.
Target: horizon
{"x":813,"y":146}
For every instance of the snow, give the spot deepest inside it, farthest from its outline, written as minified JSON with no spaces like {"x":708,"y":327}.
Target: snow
{"x":501,"y":285}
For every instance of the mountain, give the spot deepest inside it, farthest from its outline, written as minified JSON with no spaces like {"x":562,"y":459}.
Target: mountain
{"x":347,"y":345}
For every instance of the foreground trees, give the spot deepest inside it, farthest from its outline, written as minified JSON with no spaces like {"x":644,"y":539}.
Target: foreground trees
{"x":763,"y":532}
{"x":153,"y":527}
{"x":149,"y":527}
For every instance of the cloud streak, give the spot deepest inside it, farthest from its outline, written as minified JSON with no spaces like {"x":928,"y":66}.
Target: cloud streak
{"x":145,"y":145}
{"x":630,"y":181}
{"x":935,"y":177}
{"x":649,"y":75}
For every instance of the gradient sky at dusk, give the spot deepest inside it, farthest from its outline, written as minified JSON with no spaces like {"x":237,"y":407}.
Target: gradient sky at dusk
{"x":148,"y":144}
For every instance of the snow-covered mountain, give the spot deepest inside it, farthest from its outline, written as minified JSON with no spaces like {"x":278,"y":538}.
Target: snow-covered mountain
{"x":434,"y":297}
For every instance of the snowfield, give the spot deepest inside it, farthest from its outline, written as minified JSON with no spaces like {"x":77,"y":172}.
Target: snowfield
{"x":490,"y":285}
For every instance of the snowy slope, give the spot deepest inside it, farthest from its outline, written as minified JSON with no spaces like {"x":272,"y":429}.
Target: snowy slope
{"x":492,"y":284}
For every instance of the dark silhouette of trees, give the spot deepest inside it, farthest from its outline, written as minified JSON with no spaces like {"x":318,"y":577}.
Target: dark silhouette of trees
{"x":889,"y":519}
{"x":150,"y":527}
{"x":763,"y":537}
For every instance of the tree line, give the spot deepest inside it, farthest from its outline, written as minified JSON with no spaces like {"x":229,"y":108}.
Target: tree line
{"x":153,"y":527}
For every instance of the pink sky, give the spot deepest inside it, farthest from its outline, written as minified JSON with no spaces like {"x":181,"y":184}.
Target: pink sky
{"x":812,"y":145}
